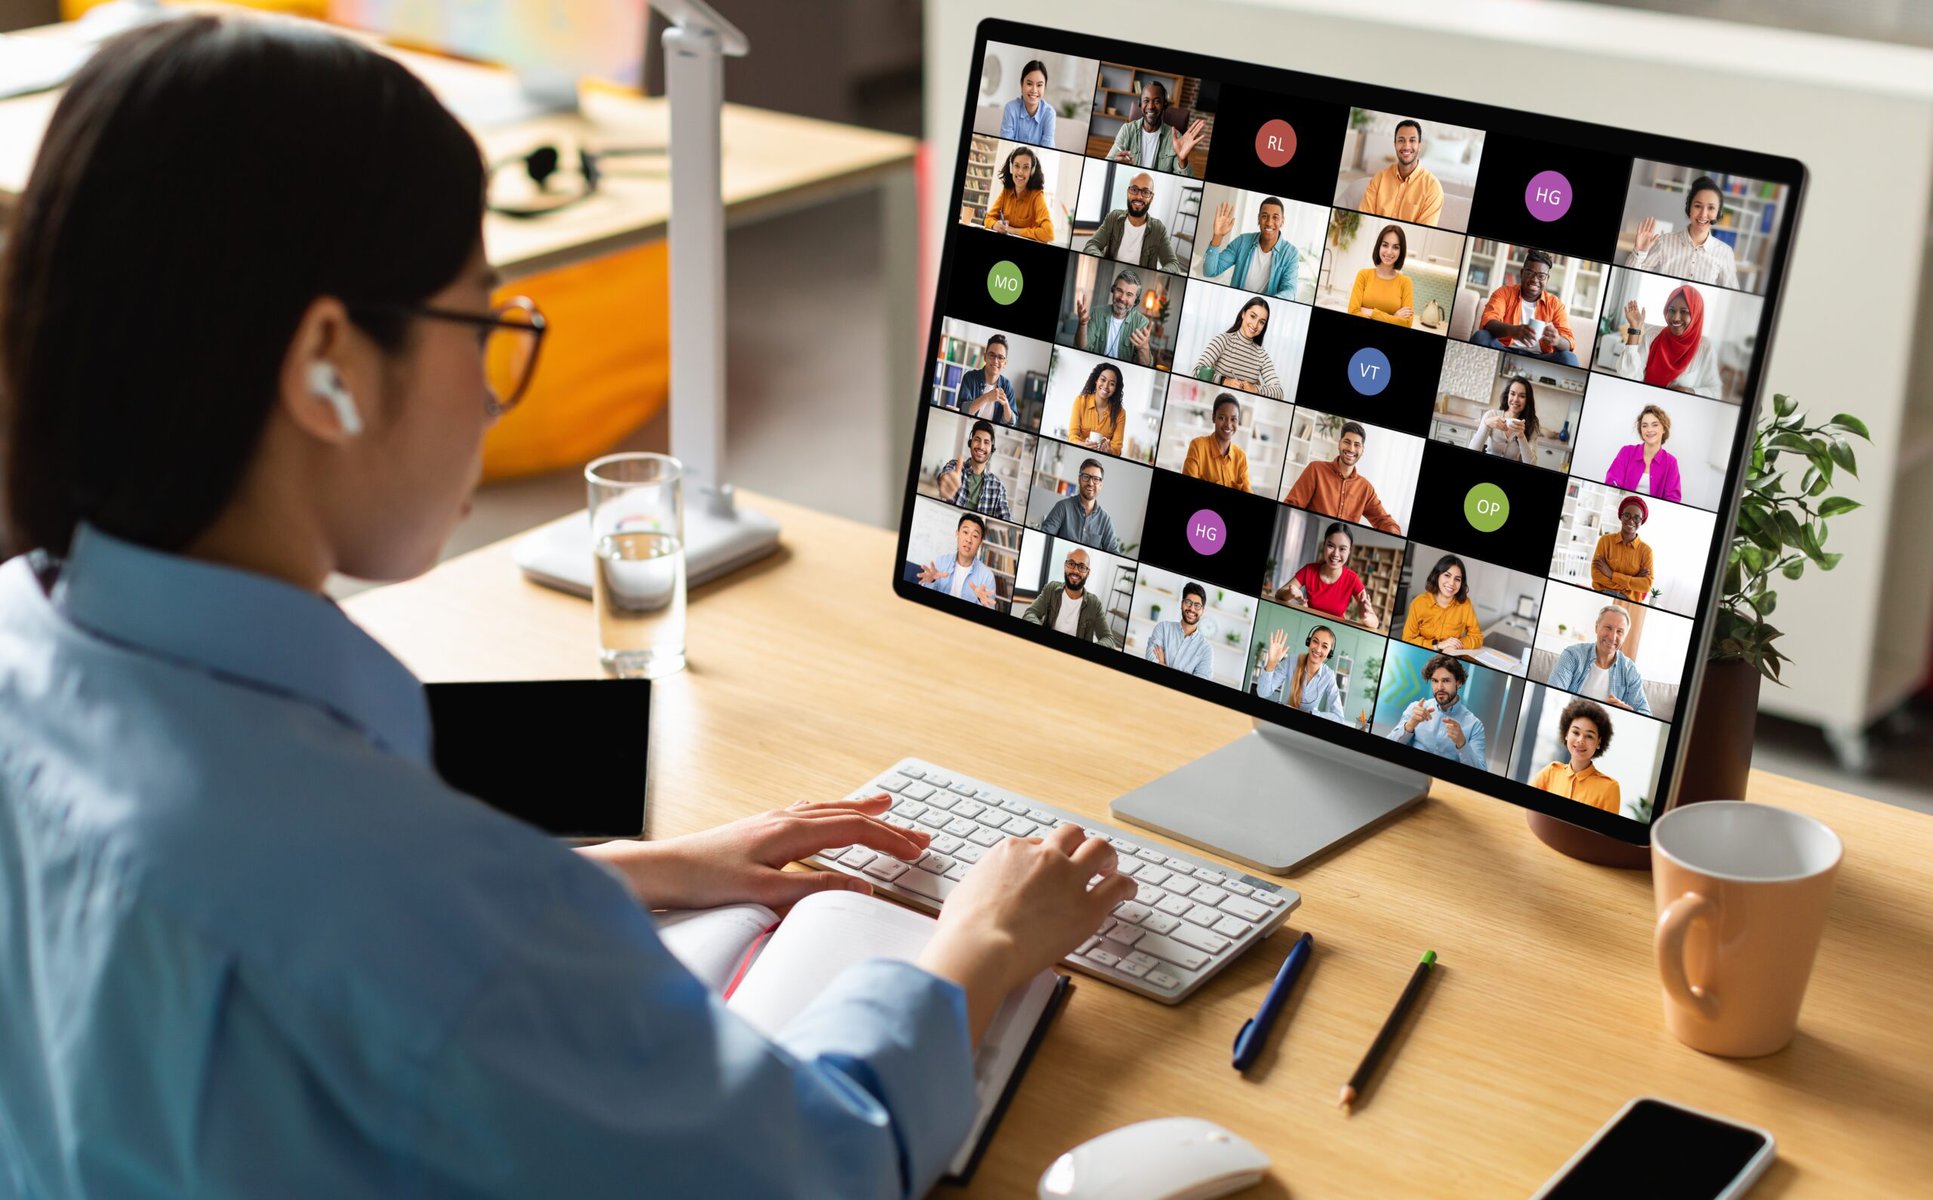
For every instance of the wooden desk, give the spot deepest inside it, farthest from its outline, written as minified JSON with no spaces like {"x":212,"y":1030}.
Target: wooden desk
{"x":808,"y":675}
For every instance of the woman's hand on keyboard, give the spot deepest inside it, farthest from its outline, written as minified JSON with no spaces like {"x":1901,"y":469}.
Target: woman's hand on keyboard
{"x":1020,"y":909}
{"x":745,"y":860}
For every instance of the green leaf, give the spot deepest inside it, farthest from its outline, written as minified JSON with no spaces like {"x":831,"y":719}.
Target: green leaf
{"x":1793,"y":569}
{"x":1765,"y":602}
{"x":1792,"y":442}
{"x":1832,"y":506}
{"x":1821,"y":487}
{"x":1812,"y":538}
{"x":1827,"y":561}
{"x":1783,"y":404}
{"x":1788,"y":525}
{"x":1842,"y":454}
{"x":1851,"y":424}
{"x":1734,"y":580}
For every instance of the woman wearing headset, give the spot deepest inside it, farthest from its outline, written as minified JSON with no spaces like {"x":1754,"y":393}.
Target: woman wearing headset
{"x":1312,"y":686}
{"x":253,"y":945}
{"x":1692,"y":252}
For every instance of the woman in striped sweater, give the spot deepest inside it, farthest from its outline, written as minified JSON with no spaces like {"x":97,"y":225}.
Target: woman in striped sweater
{"x":1234,"y":358}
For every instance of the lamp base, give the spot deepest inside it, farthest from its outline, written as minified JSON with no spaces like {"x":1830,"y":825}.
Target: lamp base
{"x":1587,"y":845}
{"x":558,"y":554}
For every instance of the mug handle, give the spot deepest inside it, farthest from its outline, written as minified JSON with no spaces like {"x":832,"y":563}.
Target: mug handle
{"x":1673,"y":924}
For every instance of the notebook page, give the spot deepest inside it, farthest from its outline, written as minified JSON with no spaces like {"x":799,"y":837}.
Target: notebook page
{"x":712,"y":941}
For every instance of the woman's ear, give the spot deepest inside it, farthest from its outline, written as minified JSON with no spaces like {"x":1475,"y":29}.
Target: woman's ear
{"x":314,"y":392}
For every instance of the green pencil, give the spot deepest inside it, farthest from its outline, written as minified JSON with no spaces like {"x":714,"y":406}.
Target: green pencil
{"x":1380,"y":1046}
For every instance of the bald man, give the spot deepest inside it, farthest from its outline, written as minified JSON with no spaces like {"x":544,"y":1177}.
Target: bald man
{"x":1068,"y":607}
{"x":1130,"y":235}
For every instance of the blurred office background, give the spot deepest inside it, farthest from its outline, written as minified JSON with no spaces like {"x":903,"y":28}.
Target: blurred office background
{"x":805,"y":326}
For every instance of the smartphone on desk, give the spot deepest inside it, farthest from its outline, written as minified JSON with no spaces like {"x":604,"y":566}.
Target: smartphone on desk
{"x":1658,"y":1150}
{"x":565,"y":755}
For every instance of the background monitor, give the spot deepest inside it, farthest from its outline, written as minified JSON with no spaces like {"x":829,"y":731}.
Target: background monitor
{"x":1423,"y":453}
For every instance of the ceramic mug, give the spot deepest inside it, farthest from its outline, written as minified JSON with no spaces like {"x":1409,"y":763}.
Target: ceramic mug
{"x":1742,"y":891}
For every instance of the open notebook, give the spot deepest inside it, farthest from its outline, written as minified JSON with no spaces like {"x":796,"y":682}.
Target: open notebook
{"x":769,"y":979}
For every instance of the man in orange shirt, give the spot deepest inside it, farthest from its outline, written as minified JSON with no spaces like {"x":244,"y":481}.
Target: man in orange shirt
{"x":1215,"y":456}
{"x":1334,"y":489}
{"x":1622,"y":563}
{"x":1527,"y":318}
{"x":1405,"y":190}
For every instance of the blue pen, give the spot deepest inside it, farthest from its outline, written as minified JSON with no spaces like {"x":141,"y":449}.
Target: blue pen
{"x":1255,"y":1030}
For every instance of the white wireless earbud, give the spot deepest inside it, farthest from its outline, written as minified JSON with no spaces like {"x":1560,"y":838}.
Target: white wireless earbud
{"x":327,"y":385}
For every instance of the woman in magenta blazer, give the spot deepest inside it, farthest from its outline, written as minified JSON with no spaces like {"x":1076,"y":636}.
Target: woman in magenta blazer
{"x":1647,"y":467}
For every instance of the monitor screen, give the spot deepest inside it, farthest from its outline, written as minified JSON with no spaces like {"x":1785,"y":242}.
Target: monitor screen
{"x":1411,"y":423}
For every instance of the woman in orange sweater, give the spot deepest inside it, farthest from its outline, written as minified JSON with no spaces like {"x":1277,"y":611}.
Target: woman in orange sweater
{"x":1021,"y":207}
{"x":1100,"y":418}
{"x":1383,"y":292}
{"x":1442,"y":617}
{"x":1586,"y":730}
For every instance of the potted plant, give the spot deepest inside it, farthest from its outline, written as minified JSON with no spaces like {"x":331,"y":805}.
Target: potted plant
{"x":1781,"y":530}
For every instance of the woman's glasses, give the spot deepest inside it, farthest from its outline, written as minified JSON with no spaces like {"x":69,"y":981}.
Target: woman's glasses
{"x":510,"y":334}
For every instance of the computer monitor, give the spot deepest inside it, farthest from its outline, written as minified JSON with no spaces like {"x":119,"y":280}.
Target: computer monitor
{"x":1411,"y":427}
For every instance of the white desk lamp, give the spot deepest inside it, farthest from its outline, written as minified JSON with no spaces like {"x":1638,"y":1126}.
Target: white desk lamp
{"x":719,"y":536}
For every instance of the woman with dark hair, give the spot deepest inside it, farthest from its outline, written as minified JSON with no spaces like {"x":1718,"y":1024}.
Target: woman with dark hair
{"x":253,"y":944}
{"x":1234,"y":358}
{"x":1021,"y":206}
{"x":1312,"y":686}
{"x":1100,"y":419}
{"x":1584,"y":727}
{"x":1327,"y":584}
{"x":1441,"y":616}
{"x":1028,"y":117}
{"x":1383,"y":292}
{"x":1511,"y":428}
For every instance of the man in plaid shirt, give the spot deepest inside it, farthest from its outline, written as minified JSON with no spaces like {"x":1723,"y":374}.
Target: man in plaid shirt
{"x":973,"y":485}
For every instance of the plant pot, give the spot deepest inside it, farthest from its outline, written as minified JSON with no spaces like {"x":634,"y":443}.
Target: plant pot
{"x":1718,"y":758}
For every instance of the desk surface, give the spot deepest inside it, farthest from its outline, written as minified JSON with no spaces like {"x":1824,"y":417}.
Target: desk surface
{"x":807,"y":675}
{"x":772,"y":162}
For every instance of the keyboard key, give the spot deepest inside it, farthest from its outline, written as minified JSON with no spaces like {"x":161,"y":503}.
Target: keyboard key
{"x":1188,"y":958}
{"x":892,"y":783}
{"x":934,"y":863}
{"x":938,"y":781}
{"x":935,"y":819}
{"x":1119,"y":949}
{"x":1200,"y":939}
{"x":960,"y":827}
{"x":1042,"y":818}
{"x":1248,"y":910}
{"x":967,"y":790}
{"x":983,"y":836}
{"x":912,"y":772}
{"x":1173,"y":906}
{"x":1230,"y":927}
{"x":917,"y":791}
{"x":1098,"y":955}
{"x":1268,"y":898}
{"x":1021,"y":827}
{"x":858,"y":856}
{"x":945,"y":843}
{"x":1146,"y":962}
{"x":1013,"y":806}
{"x":1159,"y":922}
{"x":1128,"y":866}
{"x":1127,"y":935}
{"x":1165,"y":980}
{"x":1130,"y":912}
{"x":1131,"y":968}
{"x":885,"y":868}
{"x":1238,"y":887}
{"x":941,"y":801}
{"x":969,"y":808}
{"x":909,"y":808}
{"x":1211,"y":896}
{"x":1152,"y":874}
{"x":1179,"y":886}
{"x":1147,"y":893}
{"x":933,"y":887}
{"x":969,"y":852}
{"x":1203,"y":915}
{"x":1208,"y":876}
{"x":957,"y":871}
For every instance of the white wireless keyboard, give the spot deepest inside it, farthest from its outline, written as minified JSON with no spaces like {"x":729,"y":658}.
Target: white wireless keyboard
{"x":1188,"y":919}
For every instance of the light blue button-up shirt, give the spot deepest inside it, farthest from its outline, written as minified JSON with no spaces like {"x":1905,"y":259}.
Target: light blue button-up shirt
{"x":250,"y":945}
{"x":975,"y":574}
{"x":1430,"y":735}
{"x":1017,"y":126}
{"x":1320,"y":695}
{"x":1573,"y":668}
{"x":1184,"y":652}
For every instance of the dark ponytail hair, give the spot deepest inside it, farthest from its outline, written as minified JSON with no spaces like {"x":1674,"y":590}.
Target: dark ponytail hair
{"x":203,"y":181}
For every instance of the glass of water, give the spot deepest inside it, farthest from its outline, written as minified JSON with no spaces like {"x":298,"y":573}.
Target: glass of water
{"x":637,"y":514}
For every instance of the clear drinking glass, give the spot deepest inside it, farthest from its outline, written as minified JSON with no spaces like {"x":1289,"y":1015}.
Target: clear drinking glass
{"x":637,"y":514}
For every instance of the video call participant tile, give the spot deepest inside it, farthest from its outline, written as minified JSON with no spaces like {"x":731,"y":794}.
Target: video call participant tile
{"x":1459,"y":604}
{"x":1588,"y":753}
{"x":976,"y":464}
{"x":1028,"y":194}
{"x":1259,"y":242}
{"x":1323,"y":667}
{"x":1539,"y":193}
{"x":1110,"y":408}
{"x":1369,"y":371}
{"x":1185,"y":623}
{"x":1607,"y":538}
{"x":1421,"y":263}
{"x":1207,"y":532}
{"x":1007,"y":282}
{"x":1626,"y":655}
{"x":1228,"y":437}
{"x":1488,"y":507}
{"x":1714,"y":229}
{"x":1151,"y":118}
{"x":1446,"y":707}
{"x":1656,"y":442}
{"x":1509,"y":406}
{"x":1278,"y":145}
{"x":1532,"y":302}
{"x":1096,"y":499}
{"x":1408,"y":166}
{"x":1073,"y":591}
{"x":1689,"y":337}
{"x":1136,"y":217}
{"x":965,"y":555}
{"x":1019,"y":86}
{"x":1126,"y":313}
{"x":1241,"y":341}
{"x":1333,"y":569}
{"x":985,"y":371}
{"x":1351,"y":471}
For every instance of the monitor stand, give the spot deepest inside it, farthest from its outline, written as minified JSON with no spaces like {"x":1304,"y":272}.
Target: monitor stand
{"x":1273,"y":798}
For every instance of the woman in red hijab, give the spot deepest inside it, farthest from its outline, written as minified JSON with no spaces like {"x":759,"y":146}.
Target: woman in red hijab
{"x":1675,"y":355}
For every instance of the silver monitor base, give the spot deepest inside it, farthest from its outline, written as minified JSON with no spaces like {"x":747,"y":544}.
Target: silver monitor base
{"x":1272,"y":798}
{"x":559,"y":554}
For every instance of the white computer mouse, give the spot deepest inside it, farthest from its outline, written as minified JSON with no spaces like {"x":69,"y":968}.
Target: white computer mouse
{"x":1172,"y":1158}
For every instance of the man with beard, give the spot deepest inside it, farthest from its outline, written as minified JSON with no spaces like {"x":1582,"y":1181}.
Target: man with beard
{"x":1692,"y":252}
{"x":1124,"y":331}
{"x":1151,"y":143}
{"x":1600,"y":671}
{"x":1446,"y":727}
{"x":1527,"y":318}
{"x":1405,"y":190}
{"x":1264,"y":263}
{"x":972,"y":485}
{"x":1335,"y":489}
{"x":1181,"y":644}
{"x":1081,"y":516}
{"x":1622,"y":564}
{"x":1070,"y":608}
{"x":963,"y":575}
{"x":1131,"y":236}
